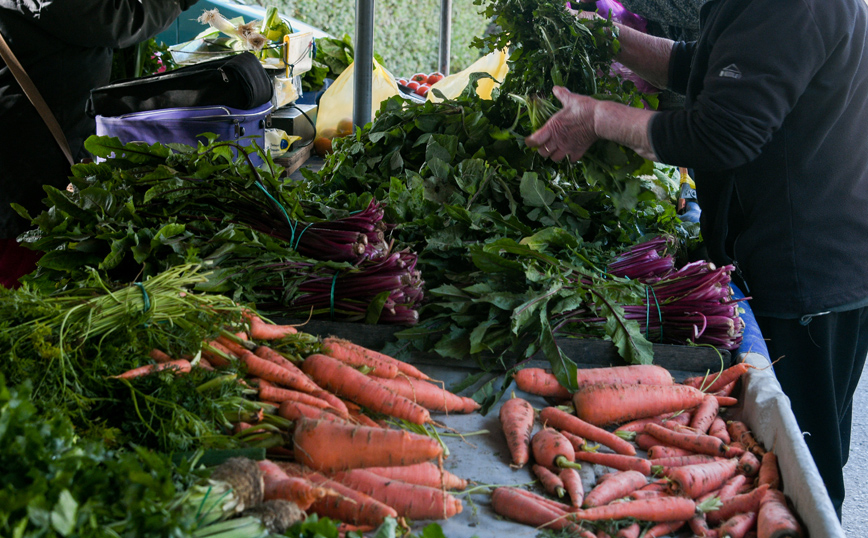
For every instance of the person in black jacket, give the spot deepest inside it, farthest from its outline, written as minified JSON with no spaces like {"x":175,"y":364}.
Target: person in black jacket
{"x":66,"y":48}
{"x":774,"y":126}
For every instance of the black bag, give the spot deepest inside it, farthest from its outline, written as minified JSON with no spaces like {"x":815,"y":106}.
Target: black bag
{"x":238,"y":81}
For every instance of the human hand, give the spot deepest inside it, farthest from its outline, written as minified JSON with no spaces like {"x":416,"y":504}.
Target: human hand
{"x":570,"y":131}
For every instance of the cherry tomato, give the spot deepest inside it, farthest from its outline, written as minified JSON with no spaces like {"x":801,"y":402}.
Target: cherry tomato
{"x":423,"y":90}
{"x":413,"y":85}
{"x":402,"y":81}
{"x":419,"y":77}
{"x":434,"y":77}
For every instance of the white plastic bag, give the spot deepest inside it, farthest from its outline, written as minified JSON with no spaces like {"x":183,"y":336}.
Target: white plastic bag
{"x":336,"y":103}
{"x":493,"y":63}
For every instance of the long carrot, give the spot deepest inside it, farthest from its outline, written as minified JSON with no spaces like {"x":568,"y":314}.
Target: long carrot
{"x":658,"y":451}
{"x":159,"y":355}
{"x":551,"y":449}
{"x":336,"y":403}
{"x":429,"y":395}
{"x":551,"y":482}
{"x":409,"y":500}
{"x":697,"y":443}
{"x":510,"y":503}
{"x":630,"y":531}
{"x":738,"y":526}
{"x":279,"y":485}
{"x":540,"y":382}
{"x":337,"y":349}
{"x":181,"y":365}
{"x":705,"y":414}
{"x":422,"y":474}
{"x":294,"y":410}
{"x":738,"y":504}
{"x":768,"y":471}
{"x":659,"y":509}
{"x":619,"y":485}
{"x":272,"y":393}
{"x":348,"y":382}
{"x":516,"y":419}
{"x":337,"y":446}
{"x":716,"y":382}
{"x":775,"y":519}
{"x":403,"y":367}
{"x":272,"y":355}
{"x":698,"y":479}
{"x":718,"y":429}
{"x":732,"y":487}
{"x":739,"y":431}
{"x":555,"y":505}
{"x":262,"y":330}
{"x":669,"y":418}
{"x":294,"y":379}
{"x":663,"y":528}
{"x":217,"y":354}
{"x":699,"y":527}
{"x":350,"y":506}
{"x":558,"y":419}
{"x":681,"y":461}
{"x":621,"y":462}
{"x":573,"y":485}
{"x":603,"y":404}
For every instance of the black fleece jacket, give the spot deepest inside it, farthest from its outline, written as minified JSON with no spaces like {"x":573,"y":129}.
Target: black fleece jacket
{"x":66,"y":48}
{"x":776,"y":128}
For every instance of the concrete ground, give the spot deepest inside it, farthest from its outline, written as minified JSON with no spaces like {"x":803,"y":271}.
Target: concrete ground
{"x":855,"y":510}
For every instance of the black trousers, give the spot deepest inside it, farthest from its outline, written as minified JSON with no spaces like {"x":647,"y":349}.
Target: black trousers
{"x":819,"y":369}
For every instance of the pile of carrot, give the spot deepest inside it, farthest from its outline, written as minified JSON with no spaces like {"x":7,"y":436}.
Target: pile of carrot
{"x":672,"y":458}
{"x":324,"y":424}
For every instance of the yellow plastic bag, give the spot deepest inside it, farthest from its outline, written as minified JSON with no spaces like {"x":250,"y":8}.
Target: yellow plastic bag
{"x":336,"y":103}
{"x":493,"y":63}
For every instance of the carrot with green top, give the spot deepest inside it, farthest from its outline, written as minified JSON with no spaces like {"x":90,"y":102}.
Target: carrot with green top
{"x":347,"y":382}
{"x":621,"y":462}
{"x":551,"y":449}
{"x":269,"y":371}
{"x":695,"y":480}
{"x":272,"y":355}
{"x":551,"y":482}
{"x":577,"y":442}
{"x":560,"y":420}
{"x":403,"y":367}
{"x":409,"y":500}
{"x":603,"y":404}
{"x":429,"y":395}
{"x":178,"y":365}
{"x":659,"y":509}
{"x":714,"y":383}
{"x":272,"y":393}
{"x":338,"y":446}
{"x":352,"y":355}
{"x":573,"y":486}
{"x":293,"y":410}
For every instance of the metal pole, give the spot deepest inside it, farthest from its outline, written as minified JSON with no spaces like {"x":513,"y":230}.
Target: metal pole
{"x":364,"y":62}
{"x":445,"y":35}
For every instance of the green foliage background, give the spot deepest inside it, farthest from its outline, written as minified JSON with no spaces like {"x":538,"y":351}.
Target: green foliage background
{"x":406,"y":33}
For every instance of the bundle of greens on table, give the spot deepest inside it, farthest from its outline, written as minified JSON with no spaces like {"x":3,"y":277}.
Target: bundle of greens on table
{"x":145,"y":209}
{"x":515,"y":247}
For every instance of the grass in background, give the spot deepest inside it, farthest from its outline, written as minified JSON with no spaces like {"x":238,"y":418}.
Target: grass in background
{"x":406,"y":33}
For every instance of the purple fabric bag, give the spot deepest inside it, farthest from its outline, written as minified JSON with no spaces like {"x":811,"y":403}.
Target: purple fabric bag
{"x":186,"y":125}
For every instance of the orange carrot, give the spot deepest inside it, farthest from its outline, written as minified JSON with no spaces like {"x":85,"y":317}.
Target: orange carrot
{"x":336,"y":403}
{"x":279,"y":485}
{"x":337,"y":349}
{"x":768,"y":471}
{"x":621,"y":462}
{"x":337,"y":446}
{"x":422,"y":474}
{"x":429,"y":395}
{"x":541,"y":383}
{"x":181,"y":365}
{"x":409,"y":500}
{"x":775,"y":519}
{"x":681,"y":461}
{"x":603,"y":404}
{"x":705,"y":414}
{"x":350,"y":506}
{"x":738,"y":526}
{"x":262,"y":330}
{"x":217,"y":354}
{"x":732,"y":487}
{"x":748,"y":464}
{"x":551,"y":482}
{"x":528,"y":508}
{"x":272,"y":355}
{"x":551,"y":503}
{"x":738,"y":504}
{"x":700,"y":478}
{"x":639,"y":424}
{"x":204,"y":364}
{"x":630,"y":531}
{"x":573,"y":485}
{"x":645,"y":494}
{"x":699,"y":527}
{"x":656,"y":452}
{"x":727,"y":389}
{"x":619,"y":485}
{"x":403,"y":367}
{"x":159,"y":355}
{"x":294,"y":379}
{"x":347,"y":382}
{"x":516,"y":419}
{"x":714,"y":383}
{"x":555,"y":418}
{"x":662,"y":529}
{"x":293,"y":410}
{"x":718,"y":429}
{"x":577,"y":442}
{"x":697,"y":443}
{"x":725,"y":401}
{"x":659,"y":509}
{"x":739,"y":431}
{"x":271,"y":393}
{"x":230,"y":344}
{"x":551,"y":449}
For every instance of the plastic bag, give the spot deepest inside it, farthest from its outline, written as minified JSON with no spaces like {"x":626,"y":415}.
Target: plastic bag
{"x":493,"y":63}
{"x":336,"y":103}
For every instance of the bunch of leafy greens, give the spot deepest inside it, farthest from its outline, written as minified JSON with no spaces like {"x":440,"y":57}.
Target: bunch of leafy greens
{"x":69,"y":345}
{"x":510,"y":242}
{"x":333,"y":56}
